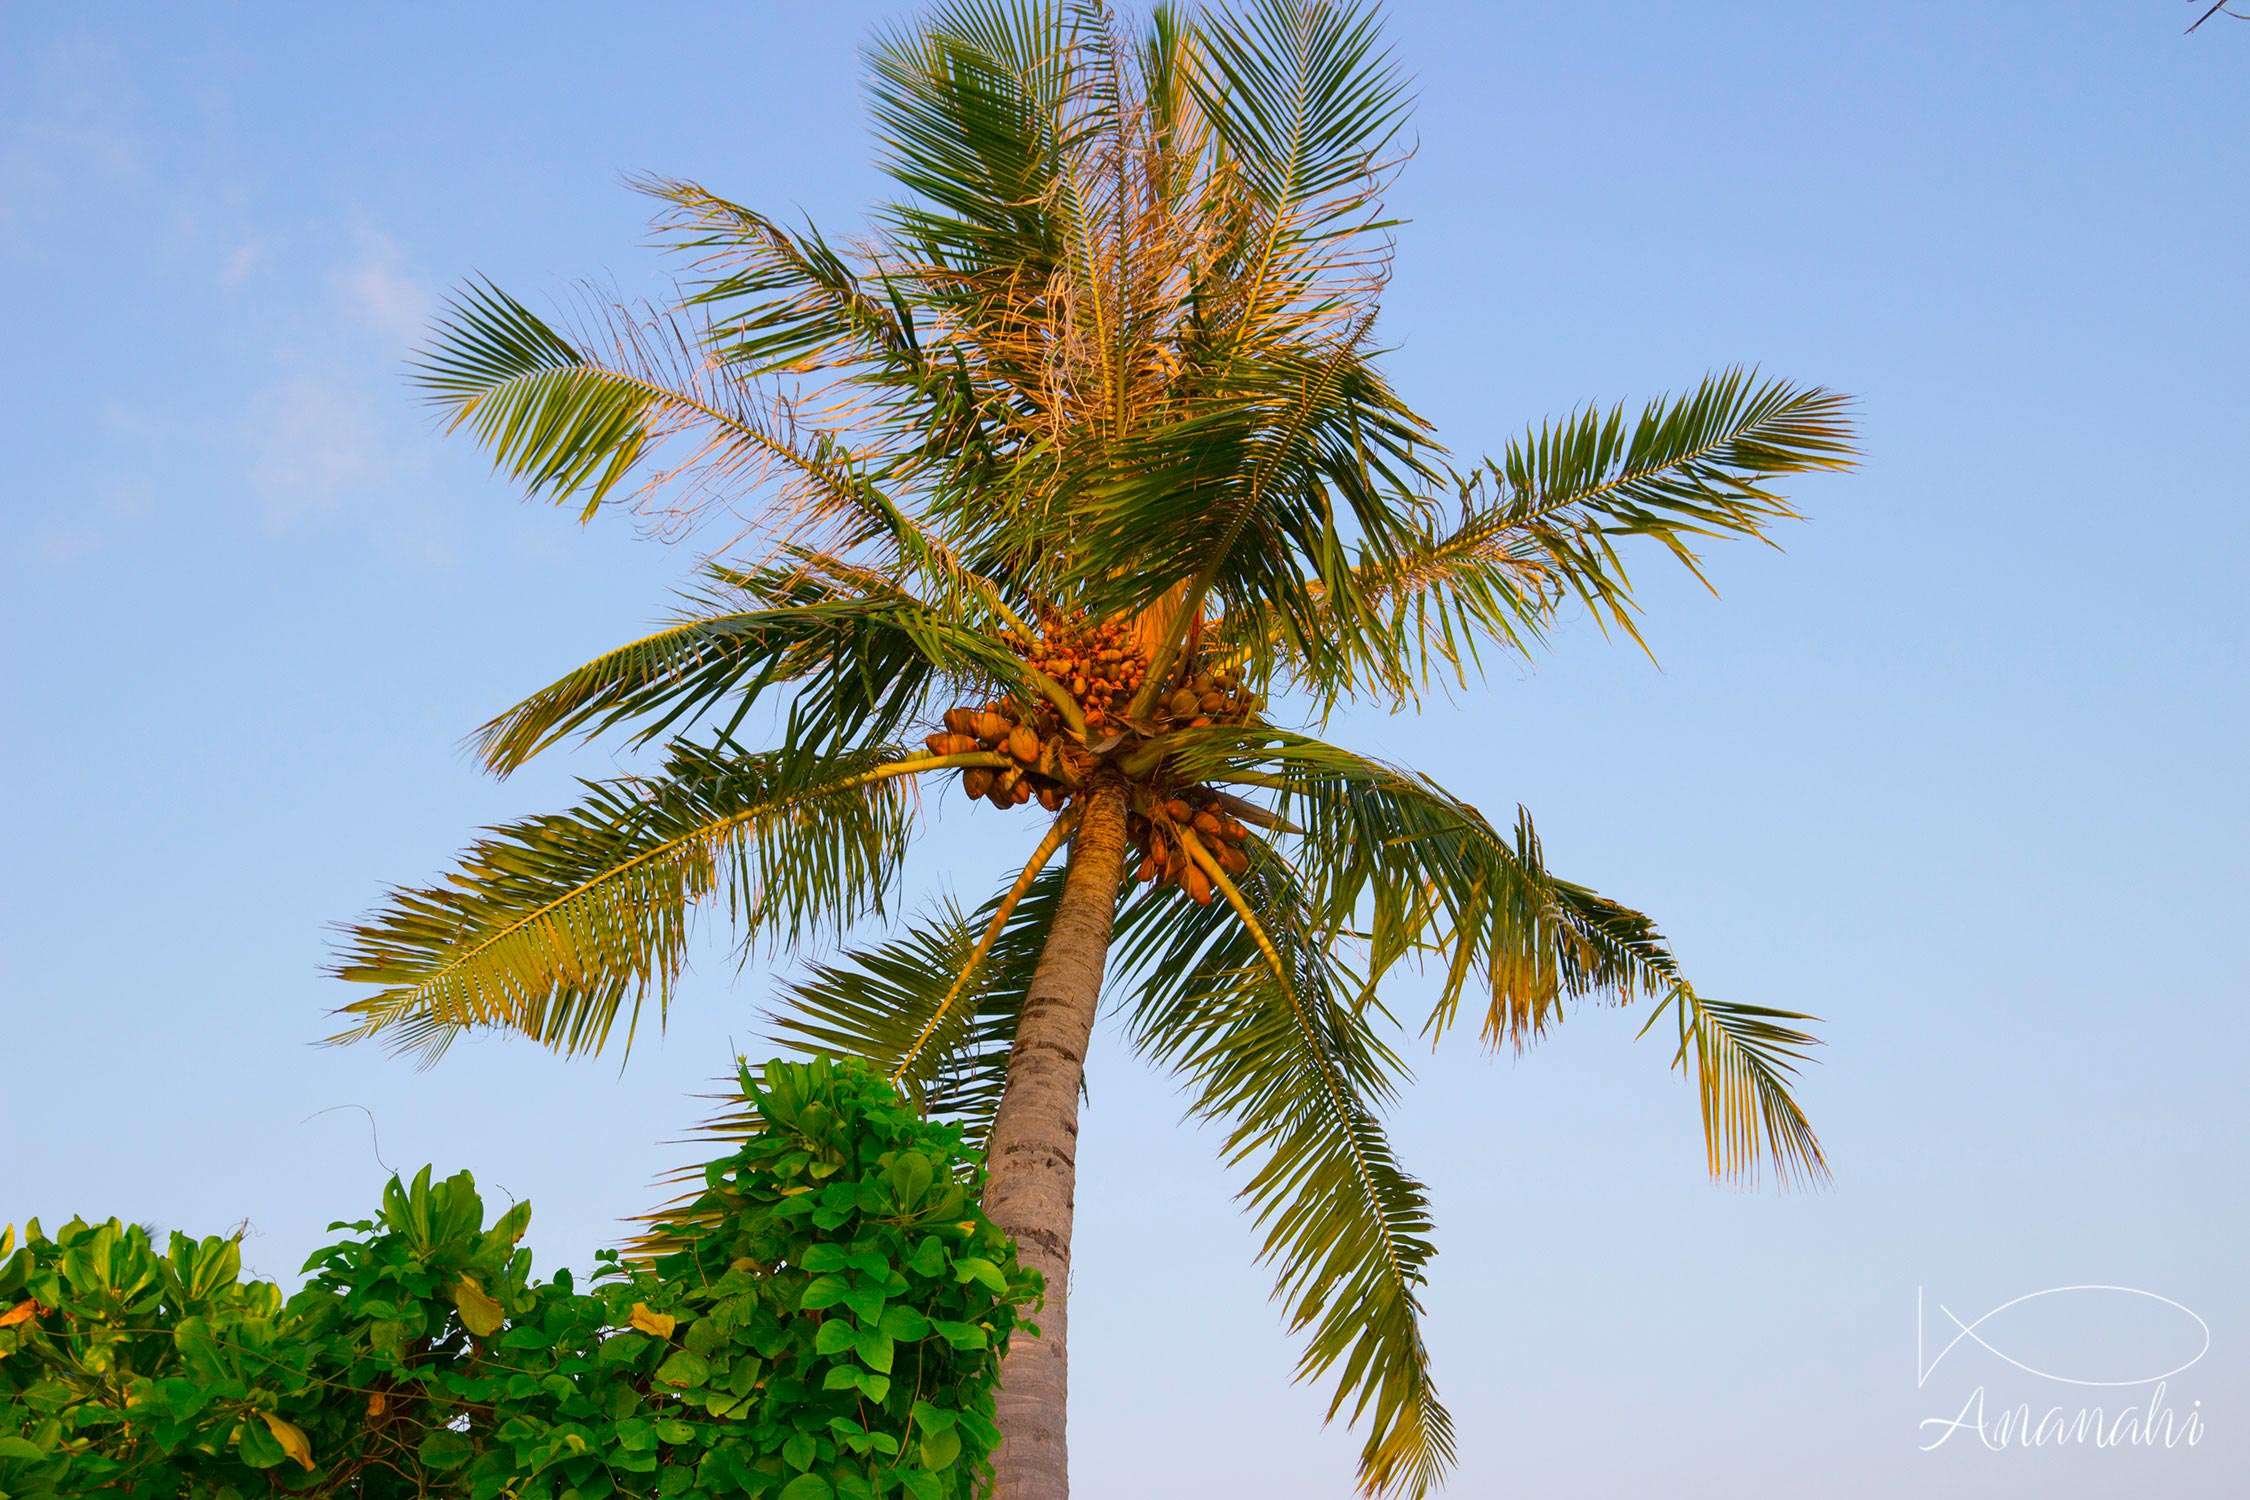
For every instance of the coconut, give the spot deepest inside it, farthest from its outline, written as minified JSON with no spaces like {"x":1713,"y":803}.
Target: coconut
{"x":1196,"y":884}
{"x":1051,"y":797}
{"x":1211,"y":702}
{"x":960,"y":721}
{"x":1207,"y":822}
{"x":1182,"y":703}
{"x":1233,"y":860}
{"x":1023,"y":743}
{"x":1178,"y":811}
{"x":990,"y":728}
{"x":976,"y":781}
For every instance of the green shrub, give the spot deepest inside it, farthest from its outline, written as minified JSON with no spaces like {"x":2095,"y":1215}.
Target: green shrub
{"x":825,"y":1317}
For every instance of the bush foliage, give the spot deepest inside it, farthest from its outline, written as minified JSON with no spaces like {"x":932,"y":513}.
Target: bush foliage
{"x":824,"y":1318}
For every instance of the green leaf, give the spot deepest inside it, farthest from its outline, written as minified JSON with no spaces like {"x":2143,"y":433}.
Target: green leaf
{"x":807,"y":1487}
{"x":875,"y":1349}
{"x":960,"y":1335}
{"x":983,"y":1272}
{"x":257,"y":1446}
{"x":555,"y":924}
{"x":904,"y":1323}
{"x":835,"y":1337}
{"x":910,"y":1176}
{"x":684,"y":1368}
{"x":445,"y":1451}
{"x":798,"y":1452}
{"x":824,"y":1292}
{"x":825,"y":1257}
{"x":940,"y":1447}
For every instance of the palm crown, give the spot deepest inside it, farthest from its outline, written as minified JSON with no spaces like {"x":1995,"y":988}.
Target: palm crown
{"x":1082,"y":467}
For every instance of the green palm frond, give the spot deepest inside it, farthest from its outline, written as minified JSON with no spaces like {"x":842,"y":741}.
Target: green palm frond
{"x":1542,"y":522}
{"x":973,"y":109}
{"x":1433,"y":875}
{"x":863,"y":654}
{"x":1542,"y":525}
{"x":1744,"y":1057}
{"x":567,"y":420}
{"x":1304,"y":102}
{"x":1247,"y":494}
{"x":782,"y":301}
{"x":1425,"y":875}
{"x":1246,"y":1000}
{"x":936,"y":1006}
{"x":552,"y":925}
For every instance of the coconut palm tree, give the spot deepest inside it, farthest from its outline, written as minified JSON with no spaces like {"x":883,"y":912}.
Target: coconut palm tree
{"x":1081,"y":466}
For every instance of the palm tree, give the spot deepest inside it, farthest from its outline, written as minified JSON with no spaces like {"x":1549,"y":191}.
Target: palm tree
{"x":1082,"y":464}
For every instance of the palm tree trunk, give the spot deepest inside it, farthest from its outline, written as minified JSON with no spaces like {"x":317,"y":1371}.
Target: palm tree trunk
{"x":1032,"y":1151}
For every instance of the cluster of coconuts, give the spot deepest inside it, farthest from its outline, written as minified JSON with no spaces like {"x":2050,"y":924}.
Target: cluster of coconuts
{"x":1047,"y":764}
{"x":1100,"y":666}
{"x":1211,"y":696}
{"x":1165,"y":860}
{"x":1097,"y":662}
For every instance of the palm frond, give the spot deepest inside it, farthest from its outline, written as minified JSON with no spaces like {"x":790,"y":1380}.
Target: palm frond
{"x":1247,"y":1001}
{"x":1744,"y":1057}
{"x":1303,"y":102}
{"x":552,"y":925}
{"x":782,"y":300}
{"x":936,"y":1007}
{"x":1249,"y":495}
{"x":1424,"y":874}
{"x":567,"y":420}
{"x":1542,"y":523}
{"x":864,"y":655}
{"x":972,"y":109}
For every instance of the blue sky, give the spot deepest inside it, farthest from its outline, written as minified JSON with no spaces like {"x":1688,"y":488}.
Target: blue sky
{"x":1960,"y":771}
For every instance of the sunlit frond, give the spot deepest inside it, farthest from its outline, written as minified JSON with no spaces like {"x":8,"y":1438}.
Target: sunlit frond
{"x":781,"y":300}
{"x":1542,"y":523}
{"x":552,"y":925}
{"x":1248,"y":1002}
{"x":1304,"y":102}
{"x":936,"y":1006}
{"x":1744,"y":1057}
{"x":863,"y":655}
{"x":569,"y":420}
{"x":1425,"y":876}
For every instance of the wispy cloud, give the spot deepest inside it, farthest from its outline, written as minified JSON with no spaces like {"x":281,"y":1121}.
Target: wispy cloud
{"x":112,"y":514}
{"x":314,"y":437}
{"x":65,"y":127}
{"x":329,"y":427}
{"x":382,"y":297}
{"x":244,"y":260}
